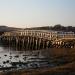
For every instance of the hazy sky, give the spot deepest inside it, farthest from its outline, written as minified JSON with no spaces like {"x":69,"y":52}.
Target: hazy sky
{"x":30,"y":13}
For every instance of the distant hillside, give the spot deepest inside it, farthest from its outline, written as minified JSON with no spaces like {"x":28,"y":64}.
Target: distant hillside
{"x":39,"y":28}
{"x":7,"y":29}
{"x":57,"y":27}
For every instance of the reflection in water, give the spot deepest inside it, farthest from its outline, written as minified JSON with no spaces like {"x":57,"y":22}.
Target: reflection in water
{"x":11,"y":58}
{"x":17,"y":59}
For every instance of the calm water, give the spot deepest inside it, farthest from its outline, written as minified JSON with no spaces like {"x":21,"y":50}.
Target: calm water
{"x":28,"y":59}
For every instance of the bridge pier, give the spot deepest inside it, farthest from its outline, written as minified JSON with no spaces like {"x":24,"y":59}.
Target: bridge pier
{"x":27,"y":42}
{"x":39,"y":41}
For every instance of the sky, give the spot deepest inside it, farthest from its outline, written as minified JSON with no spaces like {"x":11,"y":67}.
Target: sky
{"x":35,"y":13}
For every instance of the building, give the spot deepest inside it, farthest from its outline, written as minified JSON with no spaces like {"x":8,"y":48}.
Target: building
{"x":61,"y":34}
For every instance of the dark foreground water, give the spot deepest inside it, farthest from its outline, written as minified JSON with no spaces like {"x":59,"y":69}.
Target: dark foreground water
{"x":12,"y":58}
{"x":17,"y":59}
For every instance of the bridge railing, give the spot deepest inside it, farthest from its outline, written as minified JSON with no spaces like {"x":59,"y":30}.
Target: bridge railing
{"x":33,"y":33}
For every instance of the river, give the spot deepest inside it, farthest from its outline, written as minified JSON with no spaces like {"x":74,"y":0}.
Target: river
{"x":12,"y":58}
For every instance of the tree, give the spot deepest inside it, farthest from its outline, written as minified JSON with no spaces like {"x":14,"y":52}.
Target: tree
{"x":58,"y":27}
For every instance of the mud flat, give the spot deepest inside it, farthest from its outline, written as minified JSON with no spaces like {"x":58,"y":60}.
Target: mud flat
{"x":65,"y":67}
{"x":68,"y":69}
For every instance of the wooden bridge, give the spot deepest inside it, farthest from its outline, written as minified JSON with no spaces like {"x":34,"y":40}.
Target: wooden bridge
{"x":30,"y":39}
{"x":49,"y":35}
{"x":34,"y":39}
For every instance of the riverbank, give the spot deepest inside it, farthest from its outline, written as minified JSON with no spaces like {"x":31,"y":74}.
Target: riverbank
{"x":68,"y":69}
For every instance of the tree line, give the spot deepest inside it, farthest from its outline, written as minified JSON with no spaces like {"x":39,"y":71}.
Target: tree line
{"x":57,"y":27}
